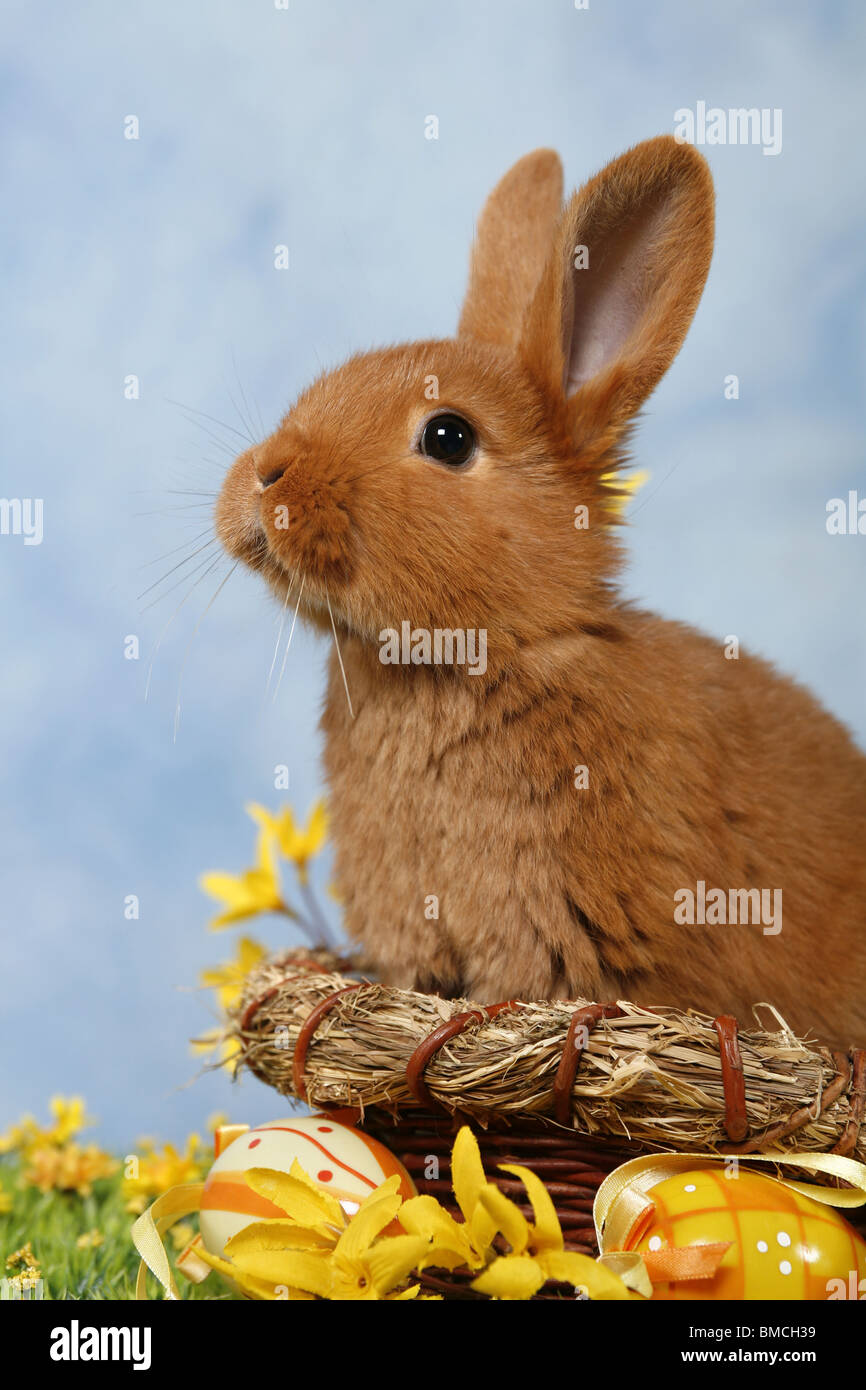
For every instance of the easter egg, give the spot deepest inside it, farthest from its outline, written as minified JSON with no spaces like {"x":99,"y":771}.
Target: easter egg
{"x":783,"y":1245}
{"x":340,"y":1159}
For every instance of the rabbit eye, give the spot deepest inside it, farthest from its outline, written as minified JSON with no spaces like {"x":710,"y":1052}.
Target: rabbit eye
{"x":448,"y":439}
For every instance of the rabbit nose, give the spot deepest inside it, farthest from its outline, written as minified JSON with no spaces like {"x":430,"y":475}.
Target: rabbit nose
{"x":268,"y":474}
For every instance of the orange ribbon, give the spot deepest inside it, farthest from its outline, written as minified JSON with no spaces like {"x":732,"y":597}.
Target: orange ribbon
{"x":682,"y":1262}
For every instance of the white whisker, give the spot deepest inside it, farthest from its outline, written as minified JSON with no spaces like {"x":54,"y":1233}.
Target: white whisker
{"x":172,"y":511}
{"x":184,"y":577}
{"x":262,"y":430}
{"x":279,"y":637}
{"x":243,"y":393}
{"x":178,"y":566}
{"x":165,"y":629}
{"x":168,"y":553}
{"x":229,"y":449}
{"x":289,"y":638}
{"x":238,"y":411}
{"x":339,"y":657}
{"x":222,"y":423}
{"x":188,"y":492}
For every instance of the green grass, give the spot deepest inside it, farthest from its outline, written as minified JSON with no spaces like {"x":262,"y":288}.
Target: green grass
{"x":52,"y":1223}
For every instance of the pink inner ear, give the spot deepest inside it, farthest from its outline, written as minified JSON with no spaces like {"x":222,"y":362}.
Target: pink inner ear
{"x":609,"y":298}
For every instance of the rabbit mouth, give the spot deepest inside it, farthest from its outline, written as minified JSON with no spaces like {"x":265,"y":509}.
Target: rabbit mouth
{"x":295,"y":532}
{"x":304,"y":592}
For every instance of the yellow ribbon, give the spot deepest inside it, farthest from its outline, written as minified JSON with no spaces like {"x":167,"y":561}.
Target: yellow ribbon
{"x":624,"y":1197}
{"x":149,"y":1229}
{"x":178,"y":1202}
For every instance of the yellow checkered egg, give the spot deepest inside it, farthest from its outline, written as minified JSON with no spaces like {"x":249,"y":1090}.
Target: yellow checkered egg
{"x":782,"y":1245}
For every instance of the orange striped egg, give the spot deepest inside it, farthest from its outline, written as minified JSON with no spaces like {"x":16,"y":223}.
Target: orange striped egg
{"x":342,"y":1160}
{"x":782,"y":1244}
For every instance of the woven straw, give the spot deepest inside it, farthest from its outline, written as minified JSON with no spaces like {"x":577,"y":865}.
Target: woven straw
{"x":651,"y":1078}
{"x":570,"y":1090}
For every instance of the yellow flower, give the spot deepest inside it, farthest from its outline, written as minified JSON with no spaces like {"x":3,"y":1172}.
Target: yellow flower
{"x":24,"y":1257}
{"x":316,"y":1251}
{"x":70,"y":1168}
{"x":537,"y":1251}
{"x":5,"y":1202}
{"x":156,"y":1172}
{"x":312,"y":1223}
{"x":297,"y":844}
{"x":69,"y":1119}
{"x":451,"y":1243}
{"x":364,"y":1267}
{"x":28,"y":1273}
{"x":90,"y":1240}
{"x":28,"y":1280}
{"x":256,"y":890}
{"x":228,"y":979}
{"x":20,"y":1136}
{"x":621,"y":488}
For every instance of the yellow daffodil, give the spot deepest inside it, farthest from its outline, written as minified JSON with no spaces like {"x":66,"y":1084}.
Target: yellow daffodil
{"x":20,"y":1136}
{"x":366,"y":1267}
{"x":228,"y":981}
{"x":256,"y":890}
{"x":449,"y":1242}
{"x":452,"y":1243}
{"x":155,"y":1172}
{"x":69,"y":1119}
{"x":312,"y":1223}
{"x":622,"y":488}
{"x":537,"y":1250}
{"x":316,"y":1251}
{"x":296,"y":843}
{"x":265,"y":1289}
{"x":375,"y":1270}
{"x":68,"y":1168}
{"x":304,"y":1202}
{"x":469,"y":1181}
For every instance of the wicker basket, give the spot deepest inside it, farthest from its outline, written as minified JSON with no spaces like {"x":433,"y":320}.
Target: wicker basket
{"x":570,"y":1090}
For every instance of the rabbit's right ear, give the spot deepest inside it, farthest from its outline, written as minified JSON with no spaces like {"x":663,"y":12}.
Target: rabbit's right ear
{"x":622,"y":283}
{"x":511,"y":245}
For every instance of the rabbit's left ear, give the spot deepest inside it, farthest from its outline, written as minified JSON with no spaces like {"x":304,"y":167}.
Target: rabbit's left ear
{"x":511,"y":245}
{"x":622,"y":282}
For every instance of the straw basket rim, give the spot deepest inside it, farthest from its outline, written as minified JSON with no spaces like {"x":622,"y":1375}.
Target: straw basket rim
{"x":618,"y":1073}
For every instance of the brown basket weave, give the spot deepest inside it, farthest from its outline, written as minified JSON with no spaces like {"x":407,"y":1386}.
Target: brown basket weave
{"x":569,"y":1090}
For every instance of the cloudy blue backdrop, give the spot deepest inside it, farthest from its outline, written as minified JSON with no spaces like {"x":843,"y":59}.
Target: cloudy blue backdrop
{"x":154,"y":257}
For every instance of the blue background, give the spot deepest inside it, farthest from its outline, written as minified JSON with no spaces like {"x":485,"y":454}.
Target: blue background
{"x":261,"y":126}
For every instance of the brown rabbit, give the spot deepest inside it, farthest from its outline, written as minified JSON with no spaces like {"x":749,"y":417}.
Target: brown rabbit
{"x":534,"y":823}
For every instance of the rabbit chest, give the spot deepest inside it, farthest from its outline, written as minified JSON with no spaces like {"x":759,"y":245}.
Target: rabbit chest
{"x":447,"y":820}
